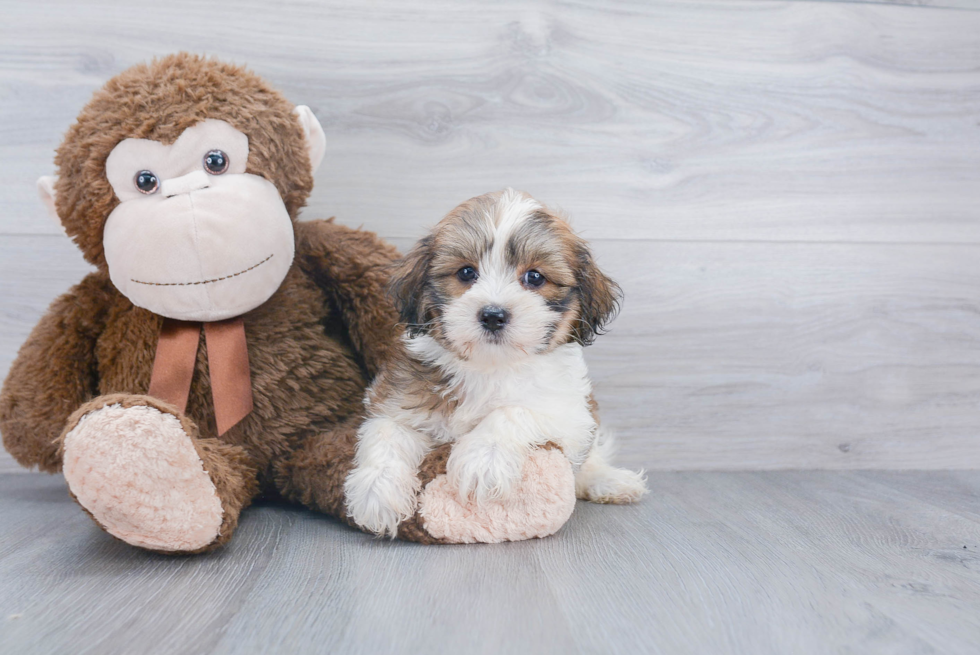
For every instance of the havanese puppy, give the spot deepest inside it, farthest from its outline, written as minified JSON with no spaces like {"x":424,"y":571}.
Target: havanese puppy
{"x":498,"y":302}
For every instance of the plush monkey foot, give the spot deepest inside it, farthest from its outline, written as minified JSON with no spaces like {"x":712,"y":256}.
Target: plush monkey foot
{"x":134,"y":468}
{"x":540,"y":504}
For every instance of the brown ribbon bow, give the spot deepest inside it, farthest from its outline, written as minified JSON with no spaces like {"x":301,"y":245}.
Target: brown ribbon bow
{"x":231,"y":381}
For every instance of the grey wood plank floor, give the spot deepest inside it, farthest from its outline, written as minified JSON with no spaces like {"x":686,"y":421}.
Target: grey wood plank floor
{"x":787,"y":191}
{"x":754,"y":562}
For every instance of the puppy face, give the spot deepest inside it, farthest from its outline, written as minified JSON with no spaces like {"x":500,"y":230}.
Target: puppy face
{"x":502,"y":277}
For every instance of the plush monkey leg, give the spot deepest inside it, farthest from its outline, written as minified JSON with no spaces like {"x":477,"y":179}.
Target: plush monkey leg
{"x":314,"y":474}
{"x":538,"y":506}
{"x":140,"y":470}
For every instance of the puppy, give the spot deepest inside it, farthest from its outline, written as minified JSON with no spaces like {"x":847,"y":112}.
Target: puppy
{"x":498,"y":302}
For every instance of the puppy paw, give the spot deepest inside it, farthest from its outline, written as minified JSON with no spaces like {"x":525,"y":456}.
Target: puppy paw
{"x":610,"y":485}
{"x":485,"y":470}
{"x":378,"y":499}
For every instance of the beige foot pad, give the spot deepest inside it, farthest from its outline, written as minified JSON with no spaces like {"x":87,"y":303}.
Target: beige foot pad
{"x":538,"y":507}
{"x":137,"y":472}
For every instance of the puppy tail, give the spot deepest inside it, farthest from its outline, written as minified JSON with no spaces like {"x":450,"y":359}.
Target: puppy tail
{"x":598,"y":481}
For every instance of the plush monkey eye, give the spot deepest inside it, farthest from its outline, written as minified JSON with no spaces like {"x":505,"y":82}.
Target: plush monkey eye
{"x":466,"y":274}
{"x":533,"y":279}
{"x":216,"y":162}
{"x":146,"y":182}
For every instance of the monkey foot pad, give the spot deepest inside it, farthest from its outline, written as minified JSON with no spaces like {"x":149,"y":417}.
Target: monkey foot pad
{"x":137,"y":473}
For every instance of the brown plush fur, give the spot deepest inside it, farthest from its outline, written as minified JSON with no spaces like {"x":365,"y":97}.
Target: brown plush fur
{"x":159,"y":101}
{"x":312,"y":347}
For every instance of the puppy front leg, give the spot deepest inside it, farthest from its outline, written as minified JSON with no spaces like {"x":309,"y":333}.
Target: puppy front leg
{"x":382,"y":489}
{"x":488,"y":461}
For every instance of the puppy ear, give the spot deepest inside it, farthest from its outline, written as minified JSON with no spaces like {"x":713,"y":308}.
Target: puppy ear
{"x":408,"y":284}
{"x":599,"y":297}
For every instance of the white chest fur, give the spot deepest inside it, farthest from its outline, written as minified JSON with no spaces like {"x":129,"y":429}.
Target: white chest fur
{"x":553,"y":387}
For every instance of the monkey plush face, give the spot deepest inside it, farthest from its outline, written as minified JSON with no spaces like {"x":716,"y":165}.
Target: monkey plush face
{"x":194,"y":236}
{"x":182,"y":178}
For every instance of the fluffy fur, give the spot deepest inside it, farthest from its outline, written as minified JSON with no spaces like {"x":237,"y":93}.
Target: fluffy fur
{"x":159,"y":101}
{"x":76,"y":392}
{"x":495,"y":394}
{"x":313,"y":346}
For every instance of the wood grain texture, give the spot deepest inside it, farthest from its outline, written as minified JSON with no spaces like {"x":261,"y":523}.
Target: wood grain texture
{"x":932,"y":4}
{"x":787,"y":191}
{"x":736,"y":355}
{"x":776,"y":562}
{"x":664,"y":120}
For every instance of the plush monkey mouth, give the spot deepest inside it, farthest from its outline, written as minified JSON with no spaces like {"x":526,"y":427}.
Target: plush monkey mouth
{"x":190,"y":284}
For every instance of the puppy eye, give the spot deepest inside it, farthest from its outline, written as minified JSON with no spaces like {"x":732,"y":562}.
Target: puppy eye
{"x":466,"y":274}
{"x":533,"y":279}
{"x":146,"y":183}
{"x":216,"y":162}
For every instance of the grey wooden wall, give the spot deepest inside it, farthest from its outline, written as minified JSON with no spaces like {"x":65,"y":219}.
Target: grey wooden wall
{"x":789,"y":192}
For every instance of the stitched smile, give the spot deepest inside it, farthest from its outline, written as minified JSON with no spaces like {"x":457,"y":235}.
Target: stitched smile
{"x":190,"y":284}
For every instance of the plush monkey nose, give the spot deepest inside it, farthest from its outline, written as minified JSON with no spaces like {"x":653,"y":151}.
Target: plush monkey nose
{"x":185,"y":184}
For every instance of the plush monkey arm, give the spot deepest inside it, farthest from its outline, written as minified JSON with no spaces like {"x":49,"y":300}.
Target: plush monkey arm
{"x":54,"y":373}
{"x":351,"y":266}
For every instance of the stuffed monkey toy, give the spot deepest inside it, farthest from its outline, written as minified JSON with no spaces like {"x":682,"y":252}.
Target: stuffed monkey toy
{"x":221,"y":348}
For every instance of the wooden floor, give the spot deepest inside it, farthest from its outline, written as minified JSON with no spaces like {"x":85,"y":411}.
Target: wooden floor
{"x":755,"y":563}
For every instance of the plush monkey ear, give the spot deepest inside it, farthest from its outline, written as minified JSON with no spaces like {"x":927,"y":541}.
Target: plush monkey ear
{"x":45,"y":191}
{"x":599,"y":297}
{"x":316,"y":140}
{"x":407,"y":286}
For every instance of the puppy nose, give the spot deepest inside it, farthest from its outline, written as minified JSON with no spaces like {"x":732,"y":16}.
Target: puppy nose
{"x":493,"y":318}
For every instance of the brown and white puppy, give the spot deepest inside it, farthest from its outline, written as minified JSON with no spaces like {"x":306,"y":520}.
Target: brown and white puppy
{"x":498,"y":302}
